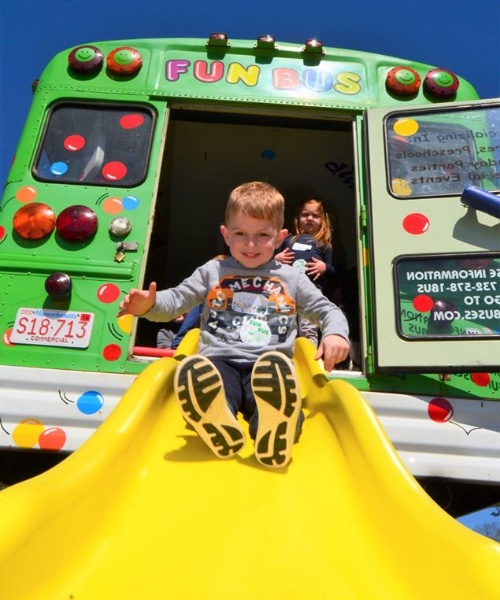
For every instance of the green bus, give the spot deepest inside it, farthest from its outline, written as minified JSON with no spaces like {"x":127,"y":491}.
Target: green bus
{"x":121,"y":175}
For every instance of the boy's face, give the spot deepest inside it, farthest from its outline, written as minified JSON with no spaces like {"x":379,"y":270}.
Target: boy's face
{"x":252,"y":242}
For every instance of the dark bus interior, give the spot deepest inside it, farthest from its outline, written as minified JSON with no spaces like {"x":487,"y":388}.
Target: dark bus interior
{"x":208,"y":153}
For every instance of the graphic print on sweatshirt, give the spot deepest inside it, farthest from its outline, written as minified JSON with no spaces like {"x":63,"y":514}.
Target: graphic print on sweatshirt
{"x":255,"y":310}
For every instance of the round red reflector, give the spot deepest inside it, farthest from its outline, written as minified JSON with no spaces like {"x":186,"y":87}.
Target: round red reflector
{"x":403,"y":81}
{"x":86,"y":59}
{"x":76,"y":223}
{"x":124,"y":61}
{"x":58,"y":285}
{"x":441,"y":83}
{"x":34,"y":221}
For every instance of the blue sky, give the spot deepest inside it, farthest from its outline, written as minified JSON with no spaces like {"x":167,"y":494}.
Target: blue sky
{"x":461,"y":36}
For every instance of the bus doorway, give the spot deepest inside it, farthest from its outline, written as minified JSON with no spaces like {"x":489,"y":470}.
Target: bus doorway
{"x":208,"y":153}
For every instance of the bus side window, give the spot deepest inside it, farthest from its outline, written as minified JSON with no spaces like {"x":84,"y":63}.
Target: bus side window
{"x":95,"y":144}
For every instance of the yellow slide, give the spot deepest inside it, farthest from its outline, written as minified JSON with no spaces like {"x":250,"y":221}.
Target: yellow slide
{"x":144,"y":511}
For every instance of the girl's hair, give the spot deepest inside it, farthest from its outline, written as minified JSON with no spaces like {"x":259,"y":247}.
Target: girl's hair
{"x":258,"y":200}
{"x":324,"y":235}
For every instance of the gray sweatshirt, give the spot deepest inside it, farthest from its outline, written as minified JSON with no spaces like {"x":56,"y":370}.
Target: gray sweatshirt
{"x":249,"y":311}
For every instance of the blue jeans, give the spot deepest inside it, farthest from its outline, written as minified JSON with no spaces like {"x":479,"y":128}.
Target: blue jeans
{"x":236,"y":377}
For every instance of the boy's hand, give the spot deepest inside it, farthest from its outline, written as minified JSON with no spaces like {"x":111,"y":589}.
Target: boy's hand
{"x":138,"y":302}
{"x":332,"y":349}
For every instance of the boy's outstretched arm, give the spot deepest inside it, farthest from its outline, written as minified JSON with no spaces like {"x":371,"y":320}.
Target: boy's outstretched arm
{"x":138,"y":302}
{"x":332,"y":349}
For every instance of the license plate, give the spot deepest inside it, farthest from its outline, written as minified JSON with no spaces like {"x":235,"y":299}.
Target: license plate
{"x":45,"y":327}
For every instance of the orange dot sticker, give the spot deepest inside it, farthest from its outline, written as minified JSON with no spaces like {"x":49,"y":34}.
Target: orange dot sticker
{"x":112,"y":206}
{"x":26,"y":193}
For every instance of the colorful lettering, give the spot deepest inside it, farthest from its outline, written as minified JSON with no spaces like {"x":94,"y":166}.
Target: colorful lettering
{"x":202,"y":73}
{"x":285,"y":79}
{"x":174,"y":68}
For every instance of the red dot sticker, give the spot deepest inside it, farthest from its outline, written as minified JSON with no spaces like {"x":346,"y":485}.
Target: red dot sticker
{"x":52,"y":438}
{"x":423,"y":303}
{"x":416,"y":223}
{"x":440,"y":410}
{"x":131,"y":121}
{"x":73,"y":143}
{"x":112,"y":352}
{"x":109,"y":292}
{"x":480,"y":379}
{"x":114,"y":171}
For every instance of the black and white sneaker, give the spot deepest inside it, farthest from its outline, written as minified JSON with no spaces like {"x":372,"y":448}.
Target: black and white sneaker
{"x":200,"y":393}
{"x":277,"y":394}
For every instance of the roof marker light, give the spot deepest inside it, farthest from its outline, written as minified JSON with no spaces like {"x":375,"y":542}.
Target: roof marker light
{"x":265,"y":42}
{"x":218,"y":40}
{"x":403,"y":81}
{"x":313,"y":46}
{"x":34,"y":221}
{"x":124,"y":61}
{"x":85,"y":59}
{"x":441,"y":83}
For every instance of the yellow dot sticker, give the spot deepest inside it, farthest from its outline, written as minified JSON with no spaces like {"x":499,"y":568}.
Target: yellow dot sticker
{"x":405,"y":127}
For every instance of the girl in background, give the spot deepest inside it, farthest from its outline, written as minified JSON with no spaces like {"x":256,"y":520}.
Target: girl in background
{"x":310,"y":250}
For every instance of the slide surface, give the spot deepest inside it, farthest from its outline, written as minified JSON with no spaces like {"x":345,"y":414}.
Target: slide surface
{"x":143,"y":510}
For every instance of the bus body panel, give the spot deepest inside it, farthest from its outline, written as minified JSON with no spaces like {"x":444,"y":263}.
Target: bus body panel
{"x":148,"y":143}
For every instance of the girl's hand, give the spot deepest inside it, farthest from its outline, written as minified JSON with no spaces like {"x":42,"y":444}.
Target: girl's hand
{"x":315,"y":268}
{"x":332,"y":349}
{"x":138,"y":302}
{"x":286,"y":257}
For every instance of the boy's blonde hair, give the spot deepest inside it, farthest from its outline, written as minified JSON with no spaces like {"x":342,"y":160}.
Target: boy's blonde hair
{"x":258,"y":200}
{"x":324,"y":235}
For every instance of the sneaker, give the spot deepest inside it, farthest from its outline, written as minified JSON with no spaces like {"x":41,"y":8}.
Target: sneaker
{"x":277,"y":394}
{"x":200,"y":393}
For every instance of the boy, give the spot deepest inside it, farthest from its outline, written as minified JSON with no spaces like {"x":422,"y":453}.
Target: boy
{"x":248,"y":328}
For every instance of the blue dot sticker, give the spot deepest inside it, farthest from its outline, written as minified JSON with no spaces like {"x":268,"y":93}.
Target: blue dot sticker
{"x":130,"y":202}
{"x":90,"y":402}
{"x":58,"y":168}
{"x":268,"y":154}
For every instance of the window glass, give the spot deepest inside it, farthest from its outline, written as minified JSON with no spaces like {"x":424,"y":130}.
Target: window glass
{"x":96,"y":144}
{"x":448,"y":297}
{"x":441,"y":153}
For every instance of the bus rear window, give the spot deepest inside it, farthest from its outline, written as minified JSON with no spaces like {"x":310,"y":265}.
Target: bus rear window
{"x":95,"y":144}
{"x":440,"y":153}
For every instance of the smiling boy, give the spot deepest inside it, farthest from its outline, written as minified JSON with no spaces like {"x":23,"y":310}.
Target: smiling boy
{"x":247,"y":332}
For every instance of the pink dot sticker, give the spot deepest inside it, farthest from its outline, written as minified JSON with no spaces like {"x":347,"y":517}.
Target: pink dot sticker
{"x":73,"y":143}
{"x":423,"y":303}
{"x":114,"y":171}
{"x":416,"y":223}
{"x":440,"y":410}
